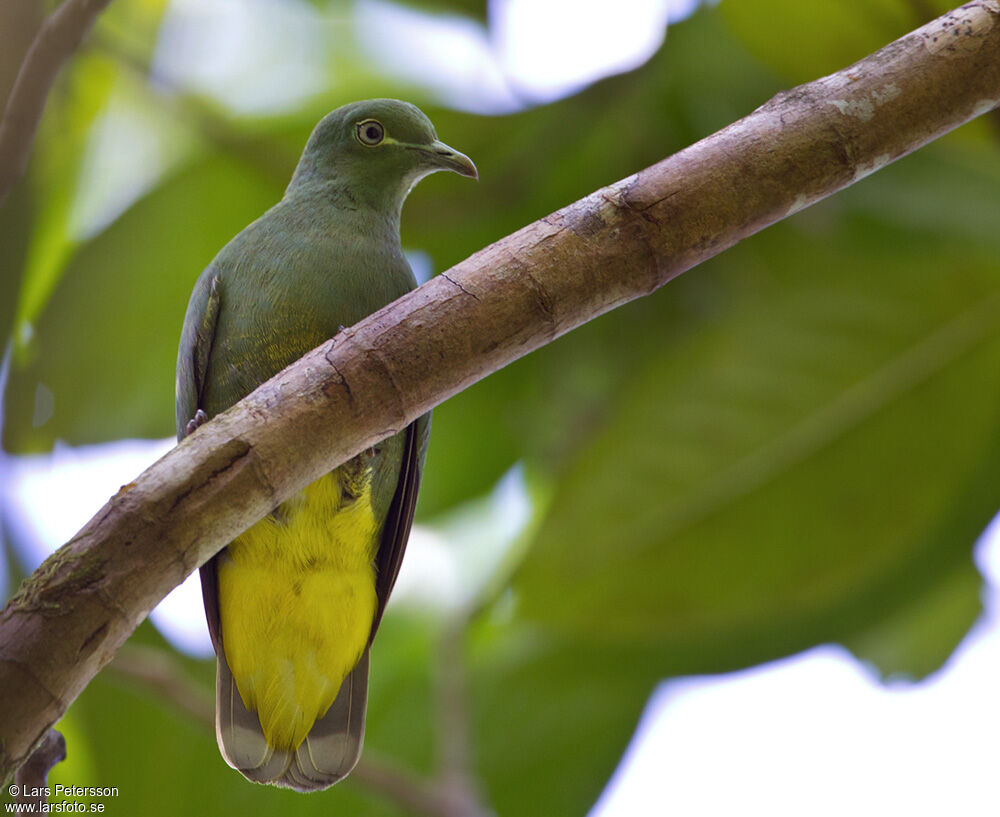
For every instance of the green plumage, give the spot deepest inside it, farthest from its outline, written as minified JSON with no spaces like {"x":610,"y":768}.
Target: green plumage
{"x":326,"y":256}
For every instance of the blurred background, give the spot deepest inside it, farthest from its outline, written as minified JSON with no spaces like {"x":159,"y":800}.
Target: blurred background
{"x":715,"y":552}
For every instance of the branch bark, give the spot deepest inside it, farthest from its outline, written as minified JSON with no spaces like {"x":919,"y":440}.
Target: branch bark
{"x":613,"y":246}
{"x":56,"y":41}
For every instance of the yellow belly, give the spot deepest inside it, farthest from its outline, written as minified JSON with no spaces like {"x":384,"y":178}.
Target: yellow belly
{"x":296,"y":602}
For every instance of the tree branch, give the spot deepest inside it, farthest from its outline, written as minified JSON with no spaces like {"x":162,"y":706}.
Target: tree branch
{"x":55,"y":42}
{"x":615,"y":245}
{"x":458,"y":784}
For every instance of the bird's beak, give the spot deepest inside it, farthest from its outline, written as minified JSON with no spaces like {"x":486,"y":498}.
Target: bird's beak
{"x":441,"y":156}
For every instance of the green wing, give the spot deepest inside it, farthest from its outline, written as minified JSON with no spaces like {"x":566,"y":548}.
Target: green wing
{"x":197,"y":337}
{"x":195,"y":348}
{"x":396,"y":531}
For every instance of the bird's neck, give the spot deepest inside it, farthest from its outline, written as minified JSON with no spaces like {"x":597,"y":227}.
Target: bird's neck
{"x":344,"y":189}
{"x":346,"y":207}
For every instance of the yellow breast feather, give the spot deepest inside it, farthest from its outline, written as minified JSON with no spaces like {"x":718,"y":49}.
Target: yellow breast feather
{"x":296,"y":602}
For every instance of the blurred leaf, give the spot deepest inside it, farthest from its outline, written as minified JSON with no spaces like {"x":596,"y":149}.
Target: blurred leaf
{"x":79,"y":766}
{"x":552,"y":716}
{"x":838,"y":32}
{"x":473,"y":9}
{"x":946,"y":190}
{"x":401,"y":726}
{"x":473,"y":441}
{"x":918,"y":638}
{"x":37,"y":216}
{"x":18,"y":25}
{"x":55,"y":172}
{"x":59,"y":147}
{"x":780,"y":469}
{"x":651,"y":564}
{"x":139,"y":20}
{"x":15,"y":226}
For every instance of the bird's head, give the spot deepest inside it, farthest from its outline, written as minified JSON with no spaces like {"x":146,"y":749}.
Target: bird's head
{"x":377,"y":149}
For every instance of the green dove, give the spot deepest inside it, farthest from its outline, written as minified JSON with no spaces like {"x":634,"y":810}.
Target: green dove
{"x":293,"y":603}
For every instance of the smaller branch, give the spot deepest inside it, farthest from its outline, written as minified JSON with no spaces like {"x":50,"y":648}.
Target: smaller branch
{"x":55,"y":42}
{"x":31,"y":778}
{"x":458,"y":781}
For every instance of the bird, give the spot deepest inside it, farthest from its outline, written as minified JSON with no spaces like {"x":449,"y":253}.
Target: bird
{"x":294,"y":602}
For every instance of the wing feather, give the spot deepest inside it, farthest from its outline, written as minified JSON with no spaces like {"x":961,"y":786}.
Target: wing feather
{"x":396,"y":531}
{"x":193,"y":355}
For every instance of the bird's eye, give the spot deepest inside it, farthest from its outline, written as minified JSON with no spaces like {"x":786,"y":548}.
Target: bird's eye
{"x":370,"y":132}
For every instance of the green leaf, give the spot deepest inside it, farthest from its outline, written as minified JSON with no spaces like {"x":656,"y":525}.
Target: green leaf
{"x":15,"y":226}
{"x":139,"y":19}
{"x":918,"y":638}
{"x":804,"y":41}
{"x":53,"y":175}
{"x":552,"y":716}
{"x":770,"y":481}
{"x":18,"y":24}
{"x":473,"y":441}
{"x":401,"y":725}
{"x":56,"y":171}
{"x":473,"y":9}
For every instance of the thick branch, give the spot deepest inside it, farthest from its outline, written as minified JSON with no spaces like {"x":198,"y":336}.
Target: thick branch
{"x":369,"y":381}
{"x":56,"y":41}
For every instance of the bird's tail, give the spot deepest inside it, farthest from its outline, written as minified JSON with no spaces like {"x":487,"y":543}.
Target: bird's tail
{"x":328,"y":753}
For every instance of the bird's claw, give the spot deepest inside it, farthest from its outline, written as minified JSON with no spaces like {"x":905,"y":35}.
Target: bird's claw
{"x":200,"y":418}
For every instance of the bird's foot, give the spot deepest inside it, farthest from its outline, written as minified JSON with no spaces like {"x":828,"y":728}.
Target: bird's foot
{"x":199,"y":419}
